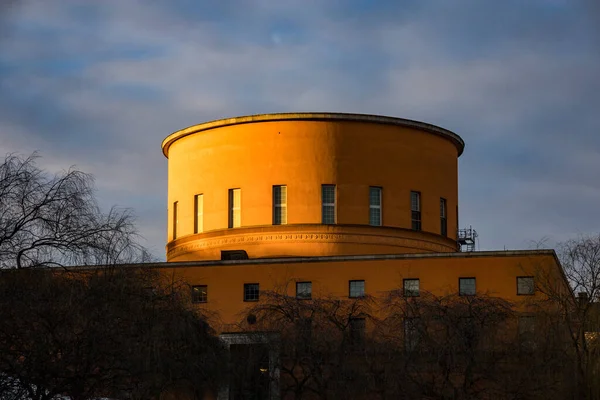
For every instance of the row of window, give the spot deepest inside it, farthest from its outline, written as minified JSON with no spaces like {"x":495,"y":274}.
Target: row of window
{"x":356,"y":289}
{"x":328,"y":208}
{"x":413,"y":331}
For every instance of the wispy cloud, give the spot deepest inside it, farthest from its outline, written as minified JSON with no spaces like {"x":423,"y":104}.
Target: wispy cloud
{"x":100,"y":84}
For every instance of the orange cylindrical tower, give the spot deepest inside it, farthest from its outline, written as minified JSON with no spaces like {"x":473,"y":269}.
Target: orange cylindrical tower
{"x":230,"y":182}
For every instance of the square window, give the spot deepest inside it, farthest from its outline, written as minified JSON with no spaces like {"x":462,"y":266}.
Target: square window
{"x":466,"y":287}
{"x":411,"y":287}
{"x":357,"y":289}
{"x":200,"y":294}
{"x":526,"y":324}
{"x":525,"y":285}
{"x":251,"y":291}
{"x":304,"y":290}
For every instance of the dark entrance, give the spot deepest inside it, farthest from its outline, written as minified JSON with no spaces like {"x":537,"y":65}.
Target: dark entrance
{"x":250,"y":379}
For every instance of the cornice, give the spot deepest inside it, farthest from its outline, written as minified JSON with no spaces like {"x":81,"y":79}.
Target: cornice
{"x":314,"y":116}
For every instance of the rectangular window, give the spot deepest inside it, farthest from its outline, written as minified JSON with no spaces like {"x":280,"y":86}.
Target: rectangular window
{"x":251,"y":291}
{"x":328,"y":204}
{"x":443,"y":217}
{"x":357,"y":331}
{"x":356,"y":289}
{"x":235,"y":200}
{"x":304,"y":290}
{"x":525,"y":285}
{"x":467,"y":331}
{"x":375,"y":206}
{"x":411,"y":333}
{"x":279,"y":205}
{"x":527,"y":331}
{"x":411,"y":287}
{"x":466,"y":286}
{"x":526,"y":324}
{"x":304,"y":333}
{"x":175,"y":220}
{"x":415,"y":208}
{"x":198,"y":213}
{"x":200,"y":294}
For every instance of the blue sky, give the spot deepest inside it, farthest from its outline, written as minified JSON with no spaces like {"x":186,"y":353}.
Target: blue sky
{"x":99,"y":84}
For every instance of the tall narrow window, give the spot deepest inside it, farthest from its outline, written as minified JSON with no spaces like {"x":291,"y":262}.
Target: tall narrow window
{"x":198,"y":213}
{"x":527,"y":331}
{"x":279,"y":205}
{"x":235,"y":217}
{"x":175,"y":220}
{"x":412,"y":333}
{"x":443,"y":219}
{"x":357,"y":331}
{"x":415,"y":208}
{"x":375,"y":206}
{"x":328,"y":204}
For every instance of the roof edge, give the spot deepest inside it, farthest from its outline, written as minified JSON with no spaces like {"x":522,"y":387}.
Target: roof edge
{"x":313,"y":116}
{"x":296,"y":260}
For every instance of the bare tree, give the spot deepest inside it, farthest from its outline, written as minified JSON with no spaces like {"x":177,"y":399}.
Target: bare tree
{"x":579,"y":316}
{"x":54,"y":220}
{"x":113,"y":332}
{"x":323,"y":343}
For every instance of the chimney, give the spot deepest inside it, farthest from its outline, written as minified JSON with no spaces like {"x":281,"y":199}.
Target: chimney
{"x":582,"y":297}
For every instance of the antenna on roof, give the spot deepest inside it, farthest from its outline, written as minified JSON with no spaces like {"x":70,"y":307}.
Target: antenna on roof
{"x":466,"y":238}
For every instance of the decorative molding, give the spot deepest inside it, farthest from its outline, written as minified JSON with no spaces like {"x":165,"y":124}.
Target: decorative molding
{"x":303,"y":238}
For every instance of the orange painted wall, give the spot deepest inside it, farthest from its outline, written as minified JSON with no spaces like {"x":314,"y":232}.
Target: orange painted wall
{"x":303,"y":155}
{"x":495,"y":275}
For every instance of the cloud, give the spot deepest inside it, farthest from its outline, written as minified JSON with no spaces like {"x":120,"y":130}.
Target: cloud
{"x":100,"y":84}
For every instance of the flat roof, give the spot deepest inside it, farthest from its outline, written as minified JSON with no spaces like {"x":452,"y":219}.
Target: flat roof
{"x":314,"y":116}
{"x":317,"y":259}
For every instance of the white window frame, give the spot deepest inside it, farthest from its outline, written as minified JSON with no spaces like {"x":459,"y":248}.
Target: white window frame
{"x":328,"y":206}
{"x":411,"y":291}
{"x":373,"y":207}
{"x":462,"y":292}
{"x":350,"y":292}
{"x":530,"y":287}
{"x":304,"y":294}
{"x":415,"y":207}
